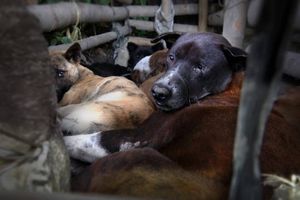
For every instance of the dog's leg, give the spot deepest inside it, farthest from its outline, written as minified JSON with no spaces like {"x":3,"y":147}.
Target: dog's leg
{"x":85,"y":147}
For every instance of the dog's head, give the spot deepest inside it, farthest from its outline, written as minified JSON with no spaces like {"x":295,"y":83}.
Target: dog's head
{"x":66,"y":68}
{"x":198,"y":64}
{"x":137,"y":52}
{"x":149,"y":66}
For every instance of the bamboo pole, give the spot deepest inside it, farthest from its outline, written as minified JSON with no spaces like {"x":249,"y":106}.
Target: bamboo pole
{"x":140,"y":41}
{"x":93,"y":41}
{"x":54,"y":16}
{"x":203,"y":15}
{"x":149,"y":26}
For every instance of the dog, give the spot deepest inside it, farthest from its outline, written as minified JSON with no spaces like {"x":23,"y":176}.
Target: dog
{"x":137,"y":52}
{"x":198,"y":64}
{"x":144,"y":173}
{"x":108,"y":69}
{"x":95,"y":103}
{"x":191,"y":139}
{"x":149,"y":66}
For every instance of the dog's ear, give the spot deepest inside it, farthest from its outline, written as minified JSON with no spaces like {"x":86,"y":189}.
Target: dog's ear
{"x":169,"y":37}
{"x":236,"y":57}
{"x":157,"y":46}
{"x":131,"y":46}
{"x":73,"y":53}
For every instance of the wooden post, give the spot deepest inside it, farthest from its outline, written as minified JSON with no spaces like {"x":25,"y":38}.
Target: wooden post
{"x":32,"y":156}
{"x":260,"y":87}
{"x":202,"y":16}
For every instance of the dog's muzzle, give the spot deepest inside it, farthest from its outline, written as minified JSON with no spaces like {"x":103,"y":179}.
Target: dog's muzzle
{"x":161,"y":94}
{"x":170,"y":92}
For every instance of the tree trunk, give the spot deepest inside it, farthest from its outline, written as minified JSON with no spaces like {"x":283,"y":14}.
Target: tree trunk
{"x":32,"y":155}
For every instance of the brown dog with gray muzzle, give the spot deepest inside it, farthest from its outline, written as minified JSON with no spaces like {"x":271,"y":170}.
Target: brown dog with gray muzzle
{"x":94,"y":103}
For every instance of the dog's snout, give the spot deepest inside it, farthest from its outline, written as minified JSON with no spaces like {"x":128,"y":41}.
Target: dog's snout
{"x":160,"y":93}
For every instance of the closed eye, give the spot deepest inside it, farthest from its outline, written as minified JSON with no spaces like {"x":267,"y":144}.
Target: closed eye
{"x":199,"y":68}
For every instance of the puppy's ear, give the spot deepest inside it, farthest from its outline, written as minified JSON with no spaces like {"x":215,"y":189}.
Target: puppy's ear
{"x":236,"y":57}
{"x":131,"y":46}
{"x":73,"y":53}
{"x":158,"y":46}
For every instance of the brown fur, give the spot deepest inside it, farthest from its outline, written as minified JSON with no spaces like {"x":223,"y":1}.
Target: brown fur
{"x":144,"y":173}
{"x":199,"y":138}
{"x":94,"y":103}
{"x":157,"y":65}
{"x":158,"y":62}
{"x":288,"y":106}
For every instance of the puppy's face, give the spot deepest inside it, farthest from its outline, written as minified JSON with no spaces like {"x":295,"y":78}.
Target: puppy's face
{"x":65,"y":66}
{"x":197,"y":65}
{"x":136,"y":52}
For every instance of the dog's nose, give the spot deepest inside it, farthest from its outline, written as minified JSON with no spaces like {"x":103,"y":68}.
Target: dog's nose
{"x":160,"y":93}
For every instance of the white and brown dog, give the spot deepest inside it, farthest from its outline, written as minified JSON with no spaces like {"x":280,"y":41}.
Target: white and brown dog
{"x":94,"y":103}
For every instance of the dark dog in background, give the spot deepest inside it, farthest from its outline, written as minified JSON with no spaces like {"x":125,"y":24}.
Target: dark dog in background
{"x":137,"y":52}
{"x":108,"y":69}
{"x":198,"y":64}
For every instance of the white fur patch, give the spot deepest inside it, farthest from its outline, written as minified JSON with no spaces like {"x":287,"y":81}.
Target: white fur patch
{"x":85,"y":147}
{"x":128,"y":145}
{"x":143,"y":66}
{"x":80,"y":120}
{"x":112,"y":96}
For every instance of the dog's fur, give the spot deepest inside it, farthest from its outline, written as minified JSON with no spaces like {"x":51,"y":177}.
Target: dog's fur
{"x":149,"y":66}
{"x":199,"y":138}
{"x":94,"y":103}
{"x":145,"y":173}
{"x":108,"y":69}
{"x":137,"y":52}
{"x":198,"y":64}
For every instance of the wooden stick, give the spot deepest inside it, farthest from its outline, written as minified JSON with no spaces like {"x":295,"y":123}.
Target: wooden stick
{"x":202,"y":16}
{"x":140,"y":41}
{"x":149,"y":26}
{"x":59,"y":15}
{"x":92,"y":41}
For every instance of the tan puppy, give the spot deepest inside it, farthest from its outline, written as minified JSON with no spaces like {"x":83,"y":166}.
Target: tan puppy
{"x":94,"y":103}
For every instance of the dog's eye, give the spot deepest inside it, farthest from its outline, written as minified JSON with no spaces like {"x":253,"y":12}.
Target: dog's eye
{"x":171,"y":57}
{"x":60,"y":73}
{"x":198,"y":68}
